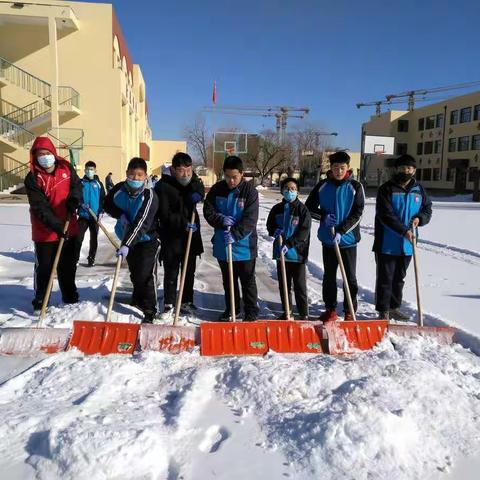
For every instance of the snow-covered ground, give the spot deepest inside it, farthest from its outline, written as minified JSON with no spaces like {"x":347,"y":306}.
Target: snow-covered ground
{"x":403,"y":412}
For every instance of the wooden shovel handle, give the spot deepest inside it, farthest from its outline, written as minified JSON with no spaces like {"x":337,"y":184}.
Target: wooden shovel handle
{"x":284,"y":279}
{"x":104,"y":230}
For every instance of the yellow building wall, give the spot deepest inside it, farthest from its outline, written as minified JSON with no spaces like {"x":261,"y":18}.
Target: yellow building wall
{"x":162,"y":153}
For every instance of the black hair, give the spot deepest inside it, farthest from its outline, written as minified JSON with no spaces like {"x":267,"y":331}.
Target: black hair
{"x":137,"y":162}
{"x":90,"y":164}
{"x":233,"y":163}
{"x":339,"y":157}
{"x":181,"y":159}
{"x":110,"y":173}
{"x":289,"y":179}
{"x":405,"y":159}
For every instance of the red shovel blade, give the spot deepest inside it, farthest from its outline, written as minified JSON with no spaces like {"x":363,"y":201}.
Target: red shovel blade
{"x":167,"y":338}
{"x":293,"y":336}
{"x":28,"y":341}
{"x":346,"y":337}
{"x":443,"y":335}
{"x":104,"y":338}
{"x":233,"y":338}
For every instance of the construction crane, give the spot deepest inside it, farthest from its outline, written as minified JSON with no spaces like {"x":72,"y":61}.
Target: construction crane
{"x":378,"y":105}
{"x":281,"y":113}
{"x":411,"y":94}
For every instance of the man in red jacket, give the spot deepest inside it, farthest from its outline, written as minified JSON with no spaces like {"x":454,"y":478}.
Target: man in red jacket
{"x":54,"y":192}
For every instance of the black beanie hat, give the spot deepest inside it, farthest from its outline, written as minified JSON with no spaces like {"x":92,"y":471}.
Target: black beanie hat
{"x":405,"y":159}
{"x":339,"y":157}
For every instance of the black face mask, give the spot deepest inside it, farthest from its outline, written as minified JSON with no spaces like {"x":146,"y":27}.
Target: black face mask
{"x":403,"y":177}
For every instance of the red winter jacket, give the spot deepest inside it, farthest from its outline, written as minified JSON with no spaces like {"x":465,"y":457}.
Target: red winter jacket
{"x":48,"y":193}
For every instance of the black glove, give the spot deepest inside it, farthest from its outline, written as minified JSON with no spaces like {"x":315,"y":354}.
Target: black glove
{"x":65,"y":236}
{"x":72,"y":204}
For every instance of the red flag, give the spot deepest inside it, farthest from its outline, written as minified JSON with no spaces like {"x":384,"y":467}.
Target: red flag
{"x":214,"y":93}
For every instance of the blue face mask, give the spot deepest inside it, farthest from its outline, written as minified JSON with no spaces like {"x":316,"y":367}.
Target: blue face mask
{"x":184,"y":181}
{"x":290,"y":195}
{"x":90,"y":173}
{"x":46,"y":161}
{"x":135,"y":184}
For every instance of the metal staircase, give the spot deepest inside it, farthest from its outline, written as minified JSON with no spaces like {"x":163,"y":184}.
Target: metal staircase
{"x":11,"y":74}
{"x":12,"y":173}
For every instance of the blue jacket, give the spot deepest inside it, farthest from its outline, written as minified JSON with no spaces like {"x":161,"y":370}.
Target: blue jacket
{"x":396,"y":208}
{"x":295,"y":221}
{"x":240,"y":203}
{"x":346,"y":200}
{"x":140,"y":210}
{"x":93,"y":195}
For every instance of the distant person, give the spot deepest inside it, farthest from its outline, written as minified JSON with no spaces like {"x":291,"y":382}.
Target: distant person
{"x":231,"y":207}
{"x":291,"y":220}
{"x":154,"y":179}
{"x":54,"y":192}
{"x":178,"y":196}
{"x":402,"y":206}
{"x":109,"y":182}
{"x":135,"y":207}
{"x":93,"y":198}
{"x":338,"y":202}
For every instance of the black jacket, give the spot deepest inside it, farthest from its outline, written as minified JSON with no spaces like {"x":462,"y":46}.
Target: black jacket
{"x":175,"y":212}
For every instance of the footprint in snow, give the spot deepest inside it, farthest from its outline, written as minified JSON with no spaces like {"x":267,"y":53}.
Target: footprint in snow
{"x":213,"y":439}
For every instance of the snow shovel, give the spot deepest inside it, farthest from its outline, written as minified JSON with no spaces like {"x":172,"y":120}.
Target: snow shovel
{"x":172,"y":338}
{"x":258,"y":337}
{"x":104,"y":230}
{"x":348,"y":336}
{"x":105,"y":337}
{"x":26,"y":341}
{"x":443,"y":335}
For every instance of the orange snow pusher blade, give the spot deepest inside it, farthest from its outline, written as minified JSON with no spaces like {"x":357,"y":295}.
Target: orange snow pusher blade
{"x":233,"y":338}
{"x":293,"y":336}
{"x":167,"y":338}
{"x":104,"y":337}
{"x":348,"y":337}
{"x":28,"y":341}
{"x":443,"y":335}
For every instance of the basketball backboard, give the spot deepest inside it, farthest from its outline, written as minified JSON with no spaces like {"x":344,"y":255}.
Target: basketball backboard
{"x":230,"y":143}
{"x":378,"y":145}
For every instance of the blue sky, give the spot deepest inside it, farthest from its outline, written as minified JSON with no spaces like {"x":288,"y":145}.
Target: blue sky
{"x":327,"y":55}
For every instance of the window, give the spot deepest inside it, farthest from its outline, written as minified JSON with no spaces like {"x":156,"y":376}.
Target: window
{"x":402,"y":126}
{"x":439,"y":121}
{"x":453,"y":117}
{"x":419,"y":148}
{"x":402,"y":148}
{"x":476,"y":112}
{"x":452,"y":144}
{"x":428,"y":148}
{"x":463,"y":144}
{"x":418,"y":174}
{"x":436,"y":174}
{"x":476,"y":142}
{"x":466,"y":115}
{"x":437,"y":144}
{"x":450,"y":174}
{"x":427,"y":174}
{"x":472,"y":173}
{"x":421,"y":124}
{"x":430,"y":122}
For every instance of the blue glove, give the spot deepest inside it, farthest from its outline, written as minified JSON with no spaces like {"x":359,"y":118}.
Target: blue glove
{"x":330,"y":220}
{"x":337,"y":238}
{"x":124,"y":220}
{"x":278,"y":232}
{"x":228,"y":221}
{"x":228,"y":237}
{"x":284,"y":250}
{"x":192,"y":227}
{"x":195,"y":198}
{"x":122,"y":251}
{"x":85,"y":206}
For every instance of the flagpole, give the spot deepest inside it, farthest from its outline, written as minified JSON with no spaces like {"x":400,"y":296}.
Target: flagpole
{"x":214,"y":101}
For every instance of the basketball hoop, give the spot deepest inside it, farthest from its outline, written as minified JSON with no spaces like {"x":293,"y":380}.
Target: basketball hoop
{"x":230,"y":151}
{"x":379,"y":149}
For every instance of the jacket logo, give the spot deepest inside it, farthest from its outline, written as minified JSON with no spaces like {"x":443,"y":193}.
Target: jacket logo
{"x":241,"y":204}
{"x":64,"y":175}
{"x":295,"y":221}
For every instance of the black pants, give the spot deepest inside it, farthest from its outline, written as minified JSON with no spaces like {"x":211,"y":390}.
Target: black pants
{"x":391,"y":272}
{"x":329,"y":287}
{"x":171,"y":267}
{"x":67,"y":268}
{"x":245,"y":272}
{"x":296,"y":272}
{"x":142,"y":261}
{"x":92,"y":226}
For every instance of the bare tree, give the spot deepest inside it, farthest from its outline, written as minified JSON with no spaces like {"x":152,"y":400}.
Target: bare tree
{"x":199,"y":139}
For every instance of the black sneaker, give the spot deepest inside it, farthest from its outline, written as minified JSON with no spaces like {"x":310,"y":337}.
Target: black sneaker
{"x":384,"y":315}
{"x":37,"y":306}
{"x":283,"y":316}
{"x":304,"y":317}
{"x":148,"y":317}
{"x":70,"y":300}
{"x":90,"y":262}
{"x":188,"y":308}
{"x":225,"y":316}
{"x":250,"y":317}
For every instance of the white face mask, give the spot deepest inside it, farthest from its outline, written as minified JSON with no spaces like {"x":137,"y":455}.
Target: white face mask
{"x":90,"y":173}
{"x":46,"y":161}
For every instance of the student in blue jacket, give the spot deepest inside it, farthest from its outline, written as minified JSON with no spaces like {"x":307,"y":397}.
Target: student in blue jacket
{"x":231,"y":208}
{"x":402,"y":205}
{"x":338,"y":202}
{"x":291,"y":220}
{"x":135,"y":206}
{"x":93,"y":197}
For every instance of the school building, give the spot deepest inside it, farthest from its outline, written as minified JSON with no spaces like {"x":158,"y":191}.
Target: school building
{"x":443,"y":137}
{"x":66,"y":72}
